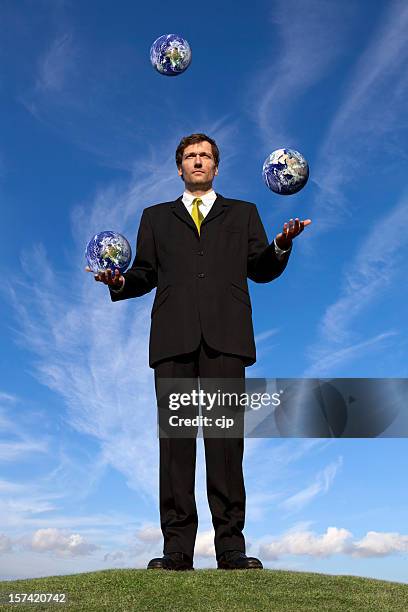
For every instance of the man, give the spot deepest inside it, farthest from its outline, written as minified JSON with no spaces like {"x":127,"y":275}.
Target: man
{"x":198,"y":251}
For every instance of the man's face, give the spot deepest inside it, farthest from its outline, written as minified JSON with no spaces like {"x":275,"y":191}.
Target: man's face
{"x":198,"y":165}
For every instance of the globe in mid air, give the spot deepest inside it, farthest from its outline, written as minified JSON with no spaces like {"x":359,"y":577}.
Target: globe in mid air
{"x":108,"y":250}
{"x":285,"y":171}
{"x":170,"y":54}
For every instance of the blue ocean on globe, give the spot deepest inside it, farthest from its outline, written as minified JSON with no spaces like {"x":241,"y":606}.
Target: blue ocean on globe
{"x":108,"y":250}
{"x":285,"y":171}
{"x":170,"y":54}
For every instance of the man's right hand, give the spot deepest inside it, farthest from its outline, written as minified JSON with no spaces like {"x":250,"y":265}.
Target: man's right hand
{"x":105,"y":276}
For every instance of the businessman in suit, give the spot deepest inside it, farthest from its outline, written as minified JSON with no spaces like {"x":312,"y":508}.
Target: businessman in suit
{"x":198,"y":251}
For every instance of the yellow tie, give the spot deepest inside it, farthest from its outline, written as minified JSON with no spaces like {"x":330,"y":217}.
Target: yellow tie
{"x":197,"y":214}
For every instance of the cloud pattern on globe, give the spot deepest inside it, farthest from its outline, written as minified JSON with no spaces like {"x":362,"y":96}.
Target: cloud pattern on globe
{"x":285,"y":171}
{"x":108,"y":250}
{"x":170,"y":54}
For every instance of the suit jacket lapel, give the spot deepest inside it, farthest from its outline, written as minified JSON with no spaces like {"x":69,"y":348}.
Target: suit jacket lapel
{"x":182,"y":213}
{"x":216,"y":209}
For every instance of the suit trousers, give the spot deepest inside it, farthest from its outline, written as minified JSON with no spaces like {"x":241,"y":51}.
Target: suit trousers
{"x":223,"y":457}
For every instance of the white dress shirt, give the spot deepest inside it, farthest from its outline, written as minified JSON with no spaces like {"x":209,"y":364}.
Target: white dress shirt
{"x":208,"y":200}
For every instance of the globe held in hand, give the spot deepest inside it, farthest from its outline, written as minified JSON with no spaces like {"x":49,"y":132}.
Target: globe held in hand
{"x":108,"y":250}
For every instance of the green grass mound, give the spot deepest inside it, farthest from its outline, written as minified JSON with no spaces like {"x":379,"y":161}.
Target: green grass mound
{"x":210,"y":591}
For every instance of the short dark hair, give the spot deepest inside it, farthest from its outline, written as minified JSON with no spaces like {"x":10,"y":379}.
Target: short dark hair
{"x":194,"y":139}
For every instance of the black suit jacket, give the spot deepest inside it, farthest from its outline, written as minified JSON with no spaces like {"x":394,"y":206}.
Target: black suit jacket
{"x":201,"y":280}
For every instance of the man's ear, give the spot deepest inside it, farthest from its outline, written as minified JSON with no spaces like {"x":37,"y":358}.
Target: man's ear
{"x":216,"y":170}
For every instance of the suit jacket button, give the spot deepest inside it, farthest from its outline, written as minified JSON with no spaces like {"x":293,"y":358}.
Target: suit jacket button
{"x":201,"y":275}
{"x":200,"y":253}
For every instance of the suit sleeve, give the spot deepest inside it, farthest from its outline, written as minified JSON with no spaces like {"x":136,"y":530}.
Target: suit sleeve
{"x":141,"y":277}
{"x":263,"y":263}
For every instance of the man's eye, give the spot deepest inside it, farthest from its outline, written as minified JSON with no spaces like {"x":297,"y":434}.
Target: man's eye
{"x":202,"y":155}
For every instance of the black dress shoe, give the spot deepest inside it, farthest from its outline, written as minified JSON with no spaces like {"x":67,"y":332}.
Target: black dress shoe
{"x":235,"y":559}
{"x":177,"y":561}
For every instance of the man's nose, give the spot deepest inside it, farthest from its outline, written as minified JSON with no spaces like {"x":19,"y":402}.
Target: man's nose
{"x":197,"y":161}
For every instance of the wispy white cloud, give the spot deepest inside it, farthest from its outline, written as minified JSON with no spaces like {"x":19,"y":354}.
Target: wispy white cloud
{"x":5,"y":543}
{"x":149,"y":533}
{"x":381,"y":62}
{"x":149,"y":537}
{"x":7,"y":397}
{"x":366,"y":279}
{"x":282,"y":453}
{"x":205,"y":544}
{"x":263,"y":348}
{"x":268,"y":333}
{"x":367,"y":128}
{"x":17,"y":510}
{"x":10,"y":487}
{"x":119,"y":555}
{"x":31,"y":537}
{"x":107,"y":392}
{"x":327,"y":360}
{"x":380,"y":544}
{"x":71,"y":90}
{"x":21,"y":513}
{"x":322,"y":483}
{"x":61,"y":543}
{"x":261,"y":503}
{"x":134,"y":546}
{"x":270,"y":486}
{"x":307,"y":41}
{"x":12,"y":451}
{"x":333,"y":542}
{"x":368,"y":121}
{"x":371,"y":271}
{"x":56,"y":64}
{"x":24,"y":501}
{"x":20,"y":441}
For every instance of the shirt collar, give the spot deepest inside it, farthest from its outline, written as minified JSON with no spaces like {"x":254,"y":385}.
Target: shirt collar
{"x":208,"y":198}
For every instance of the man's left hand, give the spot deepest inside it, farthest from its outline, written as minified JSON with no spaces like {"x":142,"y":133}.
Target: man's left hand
{"x":290,"y":231}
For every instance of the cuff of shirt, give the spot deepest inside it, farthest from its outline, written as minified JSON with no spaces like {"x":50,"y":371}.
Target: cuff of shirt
{"x":280,"y":252}
{"x":118,"y":290}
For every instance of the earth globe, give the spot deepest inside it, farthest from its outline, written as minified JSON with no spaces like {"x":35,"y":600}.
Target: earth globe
{"x":108,"y":250}
{"x":170,"y":54}
{"x":285,"y":171}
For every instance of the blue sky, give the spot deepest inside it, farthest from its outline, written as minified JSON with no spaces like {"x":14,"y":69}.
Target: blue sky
{"x":88,"y":135}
